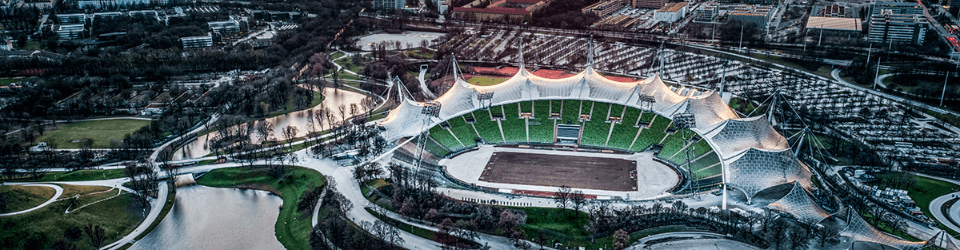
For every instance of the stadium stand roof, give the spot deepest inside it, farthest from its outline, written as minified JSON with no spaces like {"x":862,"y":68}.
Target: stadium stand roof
{"x":753,"y":155}
{"x":735,"y":135}
{"x":799,"y":204}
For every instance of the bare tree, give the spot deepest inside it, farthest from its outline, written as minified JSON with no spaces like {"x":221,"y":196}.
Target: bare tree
{"x":562,"y":196}
{"x":265,"y":130}
{"x":96,"y":234}
{"x":799,"y":239}
{"x":578,"y":199}
{"x":290,"y":133}
{"x":826,"y":234}
{"x":144,"y":180}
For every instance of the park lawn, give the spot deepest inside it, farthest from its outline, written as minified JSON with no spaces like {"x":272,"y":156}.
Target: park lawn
{"x":83,"y":175}
{"x":556,"y":220}
{"x":118,"y":216}
{"x":928,"y":189}
{"x":416,"y":53}
{"x":72,"y":190}
{"x":293,"y":228}
{"x":485,"y":81}
{"x":8,"y":81}
{"x":19,"y":198}
{"x":289,"y":107}
{"x":887,"y":229}
{"x":100,"y":131}
{"x":171,"y":198}
{"x":951,"y":119}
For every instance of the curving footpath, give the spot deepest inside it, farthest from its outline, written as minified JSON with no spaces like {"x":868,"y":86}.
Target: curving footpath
{"x":51,"y":200}
{"x":951,"y":219}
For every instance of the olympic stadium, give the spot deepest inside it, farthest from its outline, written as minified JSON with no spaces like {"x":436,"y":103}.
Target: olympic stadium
{"x":620,"y":140}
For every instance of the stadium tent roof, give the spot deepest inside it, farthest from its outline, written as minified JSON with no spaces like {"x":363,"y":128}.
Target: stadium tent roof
{"x":735,"y":135}
{"x":753,"y":170}
{"x":858,"y":230}
{"x":798,"y":203}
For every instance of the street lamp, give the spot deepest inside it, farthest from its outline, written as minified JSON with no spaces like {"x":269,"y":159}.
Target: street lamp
{"x":944,"y":93}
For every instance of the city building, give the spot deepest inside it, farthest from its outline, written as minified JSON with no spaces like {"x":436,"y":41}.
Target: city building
{"x":6,"y":45}
{"x":69,"y":32}
{"x":955,"y":8}
{"x":758,"y":14}
{"x":101,"y":4}
{"x":707,"y":12}
{"x":604,"y":8}
{"x":512,"y":11}
{"x":387,"y":4}
{"x":834,"y":10}
{"x":78,"y":18}
{"x":145,"y":14}
{"x":888,"y":27}
{"x":648,"y":4}
{"x":224,"y":27}
{"x":834,"y":26}
{"x":197,"y":41}
{"x":442,"y":6}
{"x":897,"y":8}
{"x":671,"y":12}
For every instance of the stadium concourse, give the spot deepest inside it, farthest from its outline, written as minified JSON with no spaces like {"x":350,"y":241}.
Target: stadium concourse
{"x":696,"y":133}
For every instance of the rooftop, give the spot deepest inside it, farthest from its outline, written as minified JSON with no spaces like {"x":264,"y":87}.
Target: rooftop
{"x":672,"y":7}
{"x":494,"y":10}
{"x":834,"y":23}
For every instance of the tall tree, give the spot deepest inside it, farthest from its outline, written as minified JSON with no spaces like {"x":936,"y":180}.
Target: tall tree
{"x":97,"y":235}
{"x":562,"y":196}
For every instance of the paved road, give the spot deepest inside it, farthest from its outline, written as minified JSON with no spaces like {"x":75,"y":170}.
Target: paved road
{"x":156,"y":206}
{"x":51,"y":200}
{"x":423,"y":84}
{"x":939,"y":202}
{"x":689,"y":240}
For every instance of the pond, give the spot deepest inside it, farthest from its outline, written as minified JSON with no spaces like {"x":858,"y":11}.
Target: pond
{"x":333,"y":98}
{"x":217,"y":218}
{"x":412,"y":38}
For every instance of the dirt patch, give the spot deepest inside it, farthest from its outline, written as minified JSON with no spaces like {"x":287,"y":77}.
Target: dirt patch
{"x":558,"y":170}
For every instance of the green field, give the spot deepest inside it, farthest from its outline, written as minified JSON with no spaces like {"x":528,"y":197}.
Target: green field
{"x":928,"y":189}
{"x":595,"y":130}
{"x":445,"y":138}
{"x":293,"y":228}
{"x":485,"y":81}
{"x":514,"y":128}
{"x":488,"y":129}
{"x":118,"y":216}
{"x":289,"y":107}
{"x":84,"y":175}
{"x":625,"y":131}
{"x":570,"y":112}
{"x":19,"y":198}
{"x":463,"y":131}
{"x":653,"y":134}
{"x":541,"y":114}
{"x":100,"y":131}
{"x":8,"y":81}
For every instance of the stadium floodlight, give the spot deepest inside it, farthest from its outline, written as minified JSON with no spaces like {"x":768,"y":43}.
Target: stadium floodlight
{"x":685,"y":120}
{"x":488,"y":97}
{"x":431,"y":109}
{"x":647,"y":101}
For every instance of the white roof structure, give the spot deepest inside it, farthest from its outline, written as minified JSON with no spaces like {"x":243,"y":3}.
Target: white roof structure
{"x":798,"y":203}
{"x":735,"y":135}
{"x":753,"y":170}
{"x":858,"y":230}
{"x":755,"y":156}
